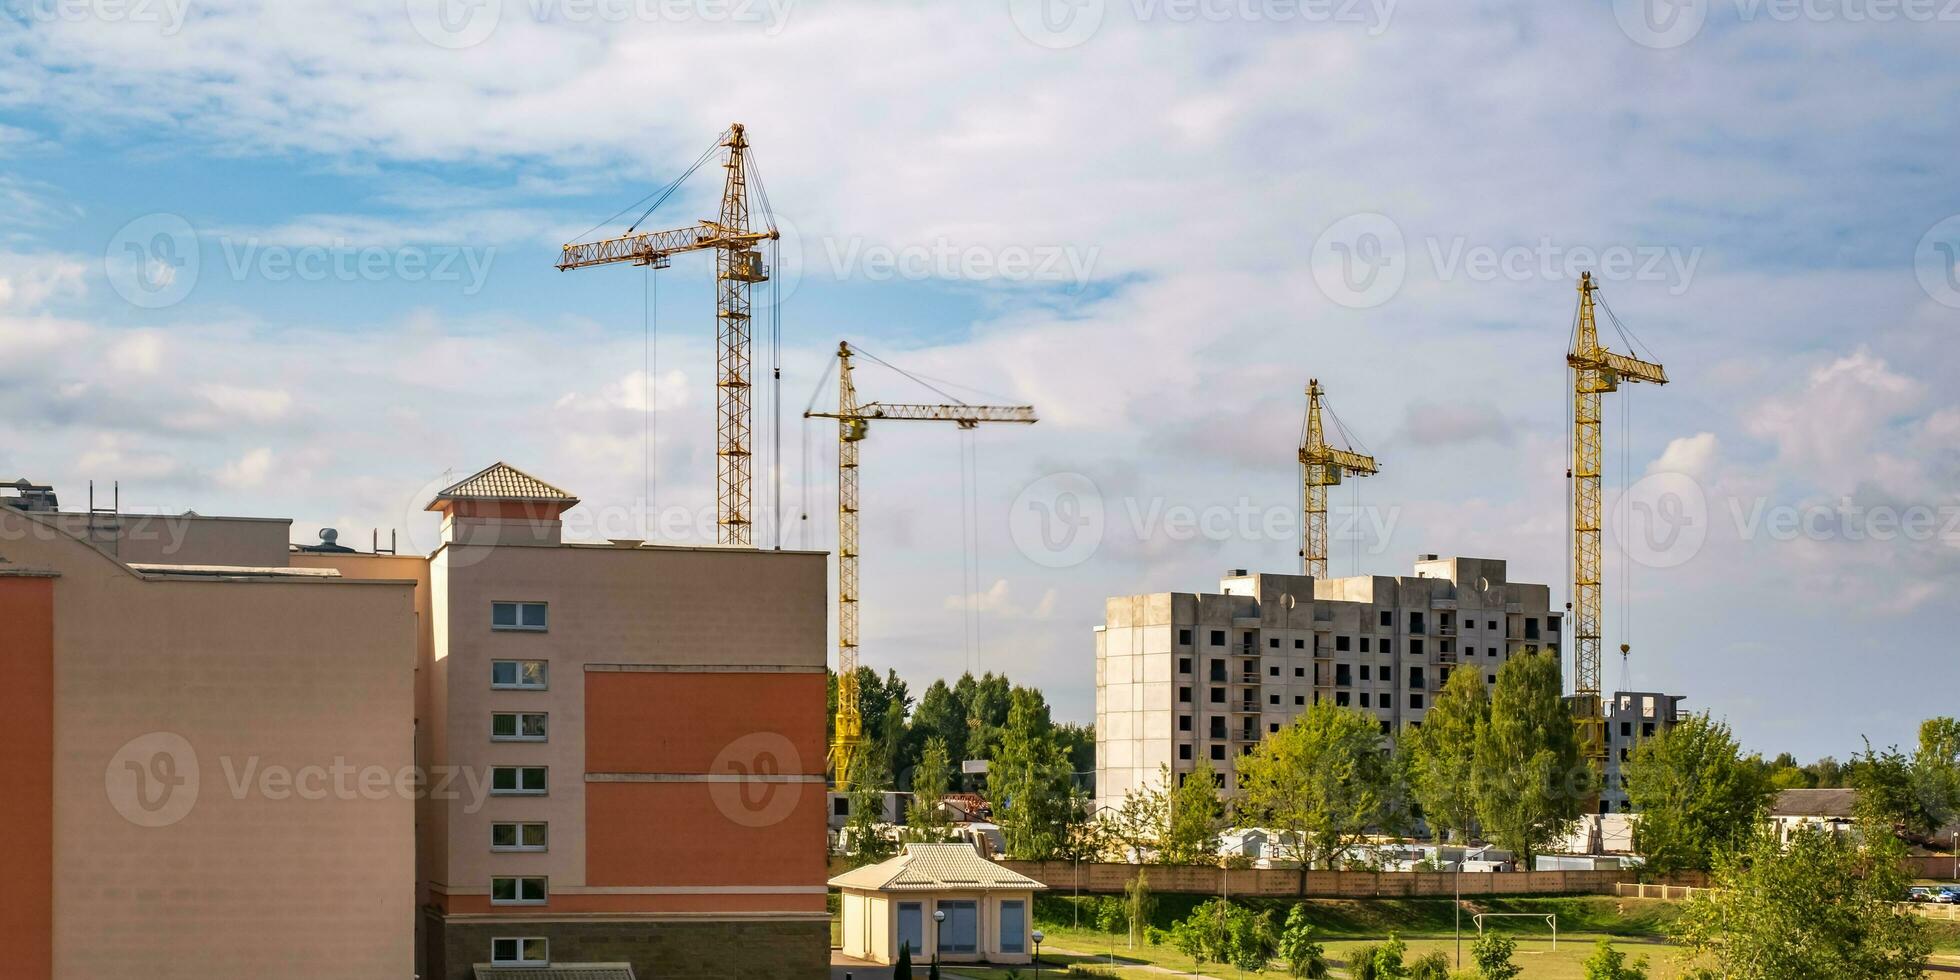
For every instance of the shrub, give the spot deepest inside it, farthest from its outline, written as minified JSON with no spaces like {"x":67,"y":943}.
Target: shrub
{"x":1304,"y":958}
{"x":1434,"y":966}
{"x":1607,"y":963}
{"x":1361,"y":962}
{"x":1493,"y":956}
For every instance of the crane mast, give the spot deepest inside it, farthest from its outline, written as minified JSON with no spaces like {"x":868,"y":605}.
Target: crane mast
{"x":1595,"y":371}
{"x":738,"y":267}
{"x":853,"y":424}
{"x":1322,"y":466}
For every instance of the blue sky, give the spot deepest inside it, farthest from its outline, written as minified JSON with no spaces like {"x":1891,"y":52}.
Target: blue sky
{"x":1215,"y":201}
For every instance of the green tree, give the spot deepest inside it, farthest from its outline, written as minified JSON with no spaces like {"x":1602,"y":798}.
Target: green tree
{"x":1607,"y":963}
{"x":1321,"y":781}
{"x":1889,"y":794}
{"x":926,"y":819}
{"x":1817,"y":908}
{"x":1492,"y":954}
{"x":1443,"y":755}
{"x":1138,"y":905}
{"x":1936,"y":769}
{"x":941,"y":715}
{"x":1304,"y":957}
{"x":864,"y":830}
{"x":902,"y":970}
{"x":1253,"y":941}
{"x":1029,"y":780}
{"x":1531,"y":782}
{"x":1694,"y":795}
{"x":1137,"y":825}
{"x":1194,"y":818}
{"x":1388,"y":958}
{"x":1433,"y":965}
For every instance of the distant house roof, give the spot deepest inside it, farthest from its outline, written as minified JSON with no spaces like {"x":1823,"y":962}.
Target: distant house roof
{"x":1830,"y":803}
{"x":936,"y":867}
{"x":502,"y":481}
{"x":566,"y":971}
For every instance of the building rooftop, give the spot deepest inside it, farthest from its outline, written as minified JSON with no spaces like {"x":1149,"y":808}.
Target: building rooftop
{"x":936,"y":867}
{"x":1815,"y":803}
{"x":502,"y":481}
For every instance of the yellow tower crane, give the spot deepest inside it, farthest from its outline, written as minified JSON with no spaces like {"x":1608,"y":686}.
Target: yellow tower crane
{"x":1322,"y":466}
{"x":738,"y":267}
{"x":853,"y":424}
{"x":1595,"y":371}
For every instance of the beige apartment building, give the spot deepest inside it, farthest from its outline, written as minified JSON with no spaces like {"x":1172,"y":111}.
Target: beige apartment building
{"x":633,"y":739}
{"x":1184,"y":676}
{"x":516,"y":756}
{"x":1632,"y":717}
{"x":209,"y":754}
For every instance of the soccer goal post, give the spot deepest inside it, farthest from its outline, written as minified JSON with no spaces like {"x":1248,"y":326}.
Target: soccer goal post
{"x":1551,"y":919}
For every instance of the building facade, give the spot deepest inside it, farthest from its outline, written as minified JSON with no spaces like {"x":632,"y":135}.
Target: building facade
{"x":1632,"y":717}
{"x":634,"y":742}
{"x":519,"y":754}
{"x":1187,"y":676}
{"x":210,"y":756}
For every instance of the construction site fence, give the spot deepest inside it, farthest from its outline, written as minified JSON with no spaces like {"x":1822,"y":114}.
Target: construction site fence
{"x":1064,"y":877}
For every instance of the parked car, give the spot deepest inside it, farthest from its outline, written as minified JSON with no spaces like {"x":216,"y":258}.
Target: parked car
{"x":1947,"y":896}
{"x":1919,"y":893}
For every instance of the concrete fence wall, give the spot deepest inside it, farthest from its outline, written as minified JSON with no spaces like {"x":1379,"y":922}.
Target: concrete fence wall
{"x":1063,"y":877}
{"x":1934,"y":866}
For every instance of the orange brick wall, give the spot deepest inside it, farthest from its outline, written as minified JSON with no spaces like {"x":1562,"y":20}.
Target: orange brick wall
{"x":27,"y":807}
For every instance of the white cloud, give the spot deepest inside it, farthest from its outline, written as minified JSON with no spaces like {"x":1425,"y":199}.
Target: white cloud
{"x":140,"y":352}
{"x":247,"y":404}
{"x":247,"y":471}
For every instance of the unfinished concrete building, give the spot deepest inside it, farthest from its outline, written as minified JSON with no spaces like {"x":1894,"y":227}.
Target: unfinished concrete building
{"x":1184,"y":676}
{"x":1632,"y":717}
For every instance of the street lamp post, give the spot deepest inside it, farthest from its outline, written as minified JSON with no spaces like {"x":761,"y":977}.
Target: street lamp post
{"x":1956,"y":855}
{"x":1038,"y":937}
{"x":938,"y":920}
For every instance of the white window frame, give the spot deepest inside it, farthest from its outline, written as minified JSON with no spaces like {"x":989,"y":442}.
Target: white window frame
{"x":521,"y":789}
{"x":520,"y":716}
{"x":519,"y":609}
{"x":517,"y":883}
{"x":518,"y":827}
{"x":544,"y":672}
{"x":520,"y":960}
